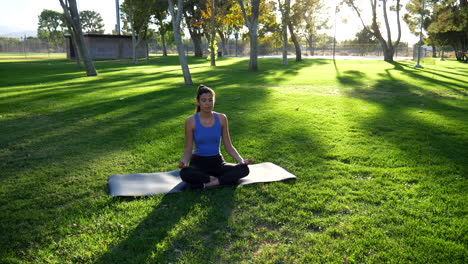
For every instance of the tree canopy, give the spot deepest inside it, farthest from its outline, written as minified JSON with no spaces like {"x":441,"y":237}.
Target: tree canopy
{"x":450,"y":25}
{"x":91,"y":22}
{"x":51,"y":26}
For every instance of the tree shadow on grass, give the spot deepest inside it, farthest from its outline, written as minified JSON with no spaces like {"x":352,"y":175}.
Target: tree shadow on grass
{"x":449,"y":75}
{"x":401,"y":103}
{"x":52,"y":71}
{"x":48,"y":175}
{"x":46,"y":82}
{"x":49,"y":160}
{"x":210,"y":238}
{"x":181,"y":223}
{"x":64,"y":87}
{"x":65,"y":90}
{"x":445,"y":80}
{"x":350,"y":77}
{"x":430,"y":159}
{"x":285,"y":138}
{"x":271,"y":73}
{"x":207,"y":236}
{"x":421,"y":133}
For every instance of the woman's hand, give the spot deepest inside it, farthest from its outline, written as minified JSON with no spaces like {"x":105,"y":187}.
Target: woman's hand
{"x":182,"y":164}
{"x":247,"y":161}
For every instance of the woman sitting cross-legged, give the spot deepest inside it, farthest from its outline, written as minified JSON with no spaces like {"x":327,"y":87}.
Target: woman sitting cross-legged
{"x":206,"y":128}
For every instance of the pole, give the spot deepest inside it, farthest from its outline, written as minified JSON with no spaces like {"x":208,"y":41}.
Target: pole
{"x":420,"y":36}
{"x":24,"y":46}
{"x":334,"y":34}
{"x":117,"y":14}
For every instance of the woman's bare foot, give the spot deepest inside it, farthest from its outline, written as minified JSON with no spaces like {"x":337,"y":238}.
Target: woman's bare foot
{"x":213,"y":182}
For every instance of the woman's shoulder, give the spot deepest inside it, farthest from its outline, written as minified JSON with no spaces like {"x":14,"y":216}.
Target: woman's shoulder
{"x":222,"y":117}
{"x":190,"y":120}
{"x":192,"y":117}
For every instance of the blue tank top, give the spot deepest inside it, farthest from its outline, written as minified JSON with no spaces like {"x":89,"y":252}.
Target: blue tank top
{"x":207,"y":139}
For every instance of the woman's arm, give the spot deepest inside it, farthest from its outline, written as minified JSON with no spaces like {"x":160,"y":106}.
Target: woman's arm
{"x":228,"y":144}
{"x":189,"y":126}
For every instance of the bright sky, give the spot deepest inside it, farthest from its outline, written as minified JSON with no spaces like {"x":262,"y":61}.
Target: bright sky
{"x":22,"y":15}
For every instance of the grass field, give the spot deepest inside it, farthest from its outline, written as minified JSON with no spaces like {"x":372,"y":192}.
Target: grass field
{"x":380,"y":151}
{"x":30,"y":56}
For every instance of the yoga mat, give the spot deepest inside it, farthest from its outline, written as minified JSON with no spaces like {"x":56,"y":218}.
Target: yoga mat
{"x":146,"y":184}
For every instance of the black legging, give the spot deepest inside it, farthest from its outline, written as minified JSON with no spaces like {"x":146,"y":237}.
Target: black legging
{"x":202,"y":167}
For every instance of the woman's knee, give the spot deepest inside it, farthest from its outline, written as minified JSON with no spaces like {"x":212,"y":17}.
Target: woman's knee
{"x":192,"y":175}
{"x":243,"y":170}
{"x":185,"y":174}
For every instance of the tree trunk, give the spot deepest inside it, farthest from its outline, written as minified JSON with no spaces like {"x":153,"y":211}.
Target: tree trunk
{"x":135,"y":43}
{"x":83,"y":51}
{"x":253,"y":63}
{"x":458,"y":47}
{"x":176,"y":19}
{"x":296,"y":42}
{"x":388,"y":54}
{"x":388,"y":46}
{"x":183,"y":59}
{"x":197,"y":44}
{"x":208,"y":38}
{"x":163,"y":41}
{"x":75,"y":49}
{"x":223,"y":42}
{"x":311,"y":46}
{"x":77,"y":53}
{"x":196,"y":37}
{"x":284,"y":27}
{"x":252,"y":25}
{"x":136,"y":39}
{"x":71,"y":14}
{"x":147,"y":51}
{"x":434,"y":52}
{"x":213,"y":34}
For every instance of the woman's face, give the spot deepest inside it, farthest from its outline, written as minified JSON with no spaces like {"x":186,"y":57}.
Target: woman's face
{"x":206,"y":102}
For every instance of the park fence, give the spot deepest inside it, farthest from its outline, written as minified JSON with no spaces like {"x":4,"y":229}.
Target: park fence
{"x":241,"y":48}
{"x":30,"y":45}
{"x":231,"y":48}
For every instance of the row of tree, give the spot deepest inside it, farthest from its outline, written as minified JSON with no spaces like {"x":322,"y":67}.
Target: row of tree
{"x":52,"y":25}
{"x":445,"y":23}
{"x":299,"y":19}
{"x":214,"y":19}
{"x":208,"y":18}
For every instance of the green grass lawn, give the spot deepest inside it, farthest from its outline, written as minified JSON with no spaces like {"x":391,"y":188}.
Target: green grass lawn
{"x":30,"y":56}
{"x":380,"y":151}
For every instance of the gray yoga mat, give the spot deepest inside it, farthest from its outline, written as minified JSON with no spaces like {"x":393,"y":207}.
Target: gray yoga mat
{"x":145,"y":184}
